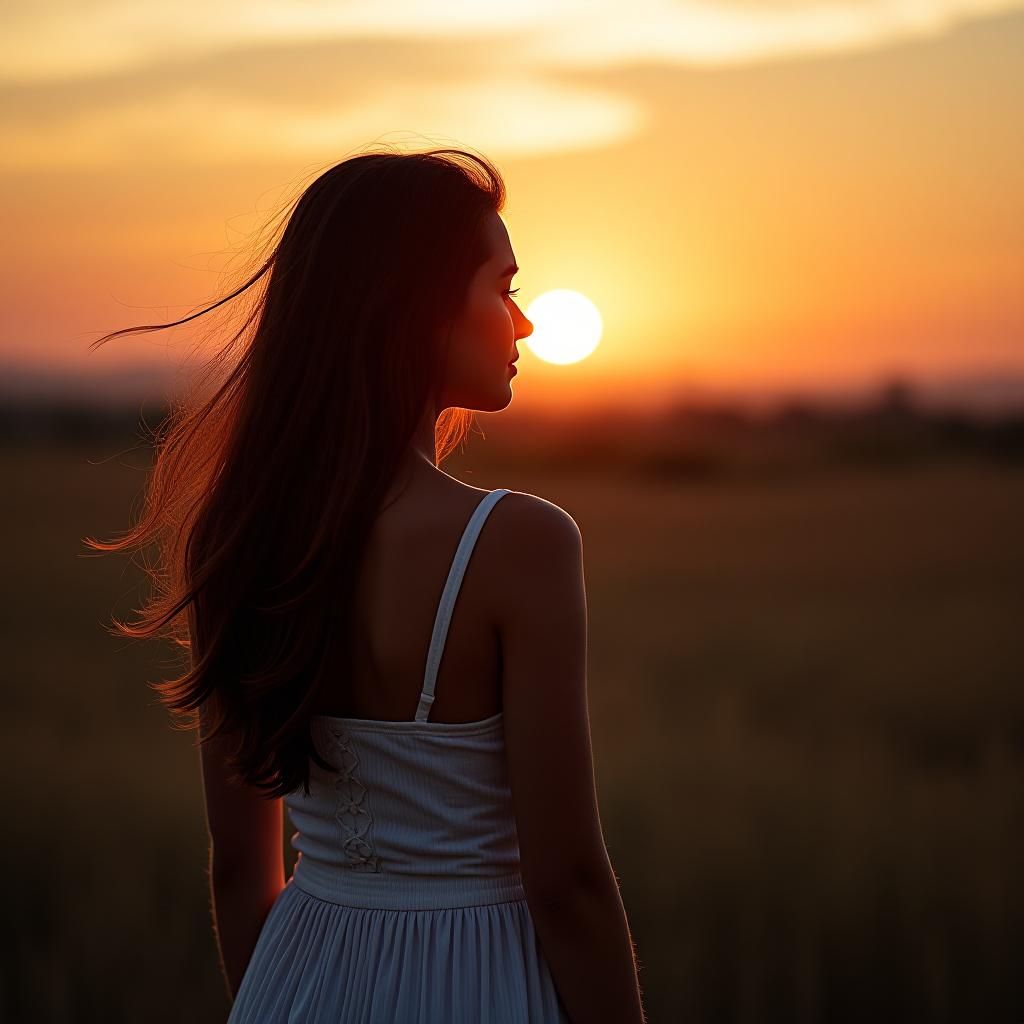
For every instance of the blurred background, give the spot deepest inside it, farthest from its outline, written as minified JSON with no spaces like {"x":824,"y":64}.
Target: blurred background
{"x":796,"y":454}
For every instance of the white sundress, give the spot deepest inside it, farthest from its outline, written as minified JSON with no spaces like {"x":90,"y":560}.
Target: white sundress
{"x":406,"y":905}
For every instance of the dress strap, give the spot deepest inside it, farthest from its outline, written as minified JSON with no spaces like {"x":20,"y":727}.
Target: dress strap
{"x":450,"y":593}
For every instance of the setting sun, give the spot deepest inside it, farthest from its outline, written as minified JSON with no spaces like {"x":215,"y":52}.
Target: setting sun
{"x":566,"y":326}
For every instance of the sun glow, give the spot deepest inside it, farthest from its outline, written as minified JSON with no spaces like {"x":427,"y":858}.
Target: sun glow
{"x":566,"y":326}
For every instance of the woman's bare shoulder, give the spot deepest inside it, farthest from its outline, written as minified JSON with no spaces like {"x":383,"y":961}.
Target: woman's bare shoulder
{"x":530,"y":546}
{"x":517,"y":518}
{"x":530,"y":516}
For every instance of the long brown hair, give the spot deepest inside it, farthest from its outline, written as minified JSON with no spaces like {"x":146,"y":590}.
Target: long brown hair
{"x":270,"y":469}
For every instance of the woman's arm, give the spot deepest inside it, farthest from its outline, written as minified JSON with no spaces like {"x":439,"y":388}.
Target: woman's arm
{"x":241,"y":902}
{"x":586,"y":940}
{"x":246,"y":859}
{"x":571,"y":889}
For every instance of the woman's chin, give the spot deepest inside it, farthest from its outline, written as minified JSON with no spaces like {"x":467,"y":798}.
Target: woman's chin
{"x":495,"y":403}
{"x":505,"y":401}
{"x":491,"y":400}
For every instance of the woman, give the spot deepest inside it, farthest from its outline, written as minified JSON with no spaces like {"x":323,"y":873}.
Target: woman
{"x":396,"y":656}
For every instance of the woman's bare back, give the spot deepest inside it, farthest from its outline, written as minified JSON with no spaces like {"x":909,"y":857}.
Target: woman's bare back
{"x":405,"y":566}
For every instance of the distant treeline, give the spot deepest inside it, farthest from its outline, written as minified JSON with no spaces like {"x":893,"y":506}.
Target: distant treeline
{"x":701,"y":441}
{"x":691,"y":440}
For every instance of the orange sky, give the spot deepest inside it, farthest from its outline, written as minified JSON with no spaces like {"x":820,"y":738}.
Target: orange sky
{"x":754,"y":194}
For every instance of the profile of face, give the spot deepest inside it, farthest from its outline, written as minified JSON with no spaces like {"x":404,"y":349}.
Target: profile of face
{"x":483,"y":339}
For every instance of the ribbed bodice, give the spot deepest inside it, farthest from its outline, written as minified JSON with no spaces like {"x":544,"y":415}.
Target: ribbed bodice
{"x":415,"y":814}
{"x":415,"y":817}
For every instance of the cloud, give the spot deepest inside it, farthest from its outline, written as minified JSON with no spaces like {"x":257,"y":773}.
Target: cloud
{"x":88,"y":82}
{"x":731,"y":32}
{"x":305,"y":100}
{"x":48,"y":40}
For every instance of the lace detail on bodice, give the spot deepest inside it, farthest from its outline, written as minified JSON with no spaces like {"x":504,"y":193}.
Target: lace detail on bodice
{"x":350,"y":813}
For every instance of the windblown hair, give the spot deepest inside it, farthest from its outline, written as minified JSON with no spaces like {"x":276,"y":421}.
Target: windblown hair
{"x":271,"y":467}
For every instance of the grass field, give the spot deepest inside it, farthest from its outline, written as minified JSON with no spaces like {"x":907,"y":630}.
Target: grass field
{"x":808,"y":726}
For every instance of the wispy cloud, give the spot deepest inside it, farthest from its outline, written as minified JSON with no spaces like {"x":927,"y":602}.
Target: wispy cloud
{"x":731,"y":32}
{"x":84,"y":83}
{"x":302,"y":99}
{"x":59,"y":39}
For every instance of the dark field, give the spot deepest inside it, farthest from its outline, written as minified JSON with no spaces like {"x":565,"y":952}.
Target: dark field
{"x":808,"y":726}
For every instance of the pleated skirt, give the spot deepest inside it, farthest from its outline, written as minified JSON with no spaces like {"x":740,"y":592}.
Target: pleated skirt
{"x":320,"y":962}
